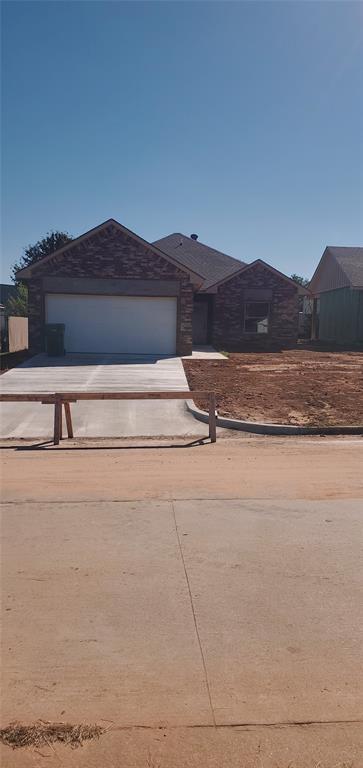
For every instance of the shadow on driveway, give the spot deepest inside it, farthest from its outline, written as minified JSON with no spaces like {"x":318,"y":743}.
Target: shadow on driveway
{"x":46,"y":361}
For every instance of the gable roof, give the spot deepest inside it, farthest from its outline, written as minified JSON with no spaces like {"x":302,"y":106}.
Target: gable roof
{"x":27,"y":271}
{"x":245,"y":267}
{"x":351,"y":262}
{"x":339,"y":267}
{"x":206,"y":266}
{"x":213,"y":265}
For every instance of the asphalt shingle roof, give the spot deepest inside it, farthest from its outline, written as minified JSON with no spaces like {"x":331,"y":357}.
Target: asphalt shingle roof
{"x":351,"y":262}
{"x":210,"y":264}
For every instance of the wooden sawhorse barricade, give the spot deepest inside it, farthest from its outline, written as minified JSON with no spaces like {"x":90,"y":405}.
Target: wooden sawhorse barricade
{"x":65,"y":399}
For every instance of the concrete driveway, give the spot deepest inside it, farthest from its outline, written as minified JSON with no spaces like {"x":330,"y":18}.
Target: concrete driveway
{"x":88,"y":373}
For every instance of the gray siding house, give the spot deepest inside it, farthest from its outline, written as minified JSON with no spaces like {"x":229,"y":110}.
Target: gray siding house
{"x":337,"y":290}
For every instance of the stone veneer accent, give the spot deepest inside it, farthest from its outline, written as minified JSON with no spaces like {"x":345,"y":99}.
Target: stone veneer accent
{"x":228,"y":313}
{"x":110,"y":253}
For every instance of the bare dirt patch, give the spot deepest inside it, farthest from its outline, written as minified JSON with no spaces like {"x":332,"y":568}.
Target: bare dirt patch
{"x":43,"y":733}
{"x":290,"y":387}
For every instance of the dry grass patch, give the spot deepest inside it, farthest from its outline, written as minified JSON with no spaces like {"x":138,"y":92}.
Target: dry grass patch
{"x":44,"y":733}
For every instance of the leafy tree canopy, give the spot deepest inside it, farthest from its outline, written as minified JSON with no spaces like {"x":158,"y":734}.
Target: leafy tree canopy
{"x":18,"y":305}
{"x":301,"y":280}
{"x":47,"y":245}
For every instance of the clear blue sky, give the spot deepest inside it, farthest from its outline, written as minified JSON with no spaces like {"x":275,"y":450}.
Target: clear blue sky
{"x":239,"y":121}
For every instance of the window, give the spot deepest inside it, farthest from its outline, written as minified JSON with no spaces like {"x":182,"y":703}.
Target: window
{"x":256,"y":316}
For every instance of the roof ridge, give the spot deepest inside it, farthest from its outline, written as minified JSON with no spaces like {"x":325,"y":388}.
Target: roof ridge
{"x":347,"y":247}
{"x":199,"y":242}
{"x":213,"y":264}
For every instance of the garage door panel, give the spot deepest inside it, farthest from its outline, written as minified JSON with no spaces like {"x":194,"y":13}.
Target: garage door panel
{"x":115,"y":324}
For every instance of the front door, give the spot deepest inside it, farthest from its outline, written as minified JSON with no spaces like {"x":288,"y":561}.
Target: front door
{"x":200,"y":322}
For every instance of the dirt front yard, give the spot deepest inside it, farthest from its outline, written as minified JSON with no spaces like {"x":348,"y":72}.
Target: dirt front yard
{"x":289,"y":387}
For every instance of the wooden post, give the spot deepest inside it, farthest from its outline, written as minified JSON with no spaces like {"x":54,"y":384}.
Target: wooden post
{"x":314,"y":320}
{"x":212,"y":418}
{"x":60,"y":422}
{"x":67,"y":411}
{"x":57,"y":422}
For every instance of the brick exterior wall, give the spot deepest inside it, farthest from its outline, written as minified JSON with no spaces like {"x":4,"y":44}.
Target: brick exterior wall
{"x":110,"y":253}
{"x":228,"y":312}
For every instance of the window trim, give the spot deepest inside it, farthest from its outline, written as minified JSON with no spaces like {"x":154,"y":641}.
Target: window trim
{"x":257,"y":317}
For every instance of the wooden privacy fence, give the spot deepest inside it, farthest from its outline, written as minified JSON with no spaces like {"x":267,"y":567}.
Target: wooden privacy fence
{"x":59,"y":399}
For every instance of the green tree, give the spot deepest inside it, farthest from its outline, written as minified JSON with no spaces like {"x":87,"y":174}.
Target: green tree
{"x":301,"y":280}
{"x":47,"y":245}
{"x":18,"y":305}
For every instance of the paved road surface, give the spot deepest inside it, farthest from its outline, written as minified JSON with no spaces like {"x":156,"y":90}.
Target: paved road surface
{"x":219,"y":629}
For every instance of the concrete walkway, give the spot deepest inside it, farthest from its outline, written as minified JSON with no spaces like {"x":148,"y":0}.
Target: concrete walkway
{"x":92,"y":373}
{"x":205,"y":353}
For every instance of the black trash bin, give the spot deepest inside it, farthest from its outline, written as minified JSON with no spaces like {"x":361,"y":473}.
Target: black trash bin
{"x":54,"y":339}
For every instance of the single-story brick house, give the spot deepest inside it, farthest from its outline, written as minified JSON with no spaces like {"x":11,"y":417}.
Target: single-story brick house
{"x":117,"y":293}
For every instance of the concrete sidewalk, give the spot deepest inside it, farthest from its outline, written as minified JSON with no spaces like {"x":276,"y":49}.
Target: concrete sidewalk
{"x":87,"y":373}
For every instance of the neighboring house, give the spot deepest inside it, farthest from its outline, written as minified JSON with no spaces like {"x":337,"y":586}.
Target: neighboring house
{"x":115,"y":292}
{"x":337,"y":290}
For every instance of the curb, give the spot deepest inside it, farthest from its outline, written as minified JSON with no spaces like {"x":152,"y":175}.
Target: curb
{"x":262,"y":428}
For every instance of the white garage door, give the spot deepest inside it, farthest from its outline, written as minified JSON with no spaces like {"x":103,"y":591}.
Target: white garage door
{"x":112,"y":324}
